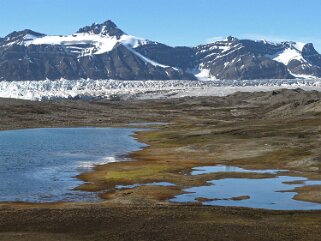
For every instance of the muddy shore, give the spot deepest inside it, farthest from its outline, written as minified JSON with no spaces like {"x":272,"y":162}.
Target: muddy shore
{"x":273,"y":130}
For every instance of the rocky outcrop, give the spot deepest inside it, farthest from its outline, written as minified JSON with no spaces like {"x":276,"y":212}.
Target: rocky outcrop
{"x":107,"y":28}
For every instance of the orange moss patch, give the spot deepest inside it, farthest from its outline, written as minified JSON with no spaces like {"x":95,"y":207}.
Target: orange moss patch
{"x":309,"y":193}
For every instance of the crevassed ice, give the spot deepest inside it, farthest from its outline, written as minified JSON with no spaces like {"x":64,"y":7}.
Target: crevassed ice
{"x":47,"y":89}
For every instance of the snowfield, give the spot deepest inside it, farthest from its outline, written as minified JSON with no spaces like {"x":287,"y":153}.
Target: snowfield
{"x":88,"y":43}
{"x":86,"y":89}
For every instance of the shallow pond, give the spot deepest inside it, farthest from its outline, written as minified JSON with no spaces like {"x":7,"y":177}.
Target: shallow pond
{"x":223,"y":168}
{"x":161,"y":184}
{"x":39,"y":165}
{"x":268,"y":193}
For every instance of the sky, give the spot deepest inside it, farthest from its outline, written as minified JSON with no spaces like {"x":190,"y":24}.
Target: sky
{"x":173,"y":22}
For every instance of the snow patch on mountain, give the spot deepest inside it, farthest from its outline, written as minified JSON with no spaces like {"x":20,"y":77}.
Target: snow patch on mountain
{"x":204,"y":74}
{"x":288,"y":55}
{"x":293,"y":51}
{"x":304,"y":76}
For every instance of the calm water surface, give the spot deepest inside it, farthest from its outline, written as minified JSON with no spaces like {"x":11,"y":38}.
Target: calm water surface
{"x":39,"y":165}
{"x":269,"y":193}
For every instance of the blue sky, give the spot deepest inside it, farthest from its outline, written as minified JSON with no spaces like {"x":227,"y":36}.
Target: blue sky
{"x":175,"y":22}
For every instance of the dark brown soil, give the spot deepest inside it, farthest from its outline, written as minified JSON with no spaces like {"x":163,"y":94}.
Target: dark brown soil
{"x":157,"y":223}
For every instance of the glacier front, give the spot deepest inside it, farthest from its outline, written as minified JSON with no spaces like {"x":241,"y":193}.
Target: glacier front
{"x":147,"y":89}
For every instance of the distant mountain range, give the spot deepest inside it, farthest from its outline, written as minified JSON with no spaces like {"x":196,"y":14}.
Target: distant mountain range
{"x":103,"y":51}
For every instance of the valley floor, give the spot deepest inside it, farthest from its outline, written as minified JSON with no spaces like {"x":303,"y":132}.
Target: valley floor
{"x":263,"y":130}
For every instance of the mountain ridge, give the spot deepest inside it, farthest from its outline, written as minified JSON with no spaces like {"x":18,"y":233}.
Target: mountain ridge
{"x":104,"y":51}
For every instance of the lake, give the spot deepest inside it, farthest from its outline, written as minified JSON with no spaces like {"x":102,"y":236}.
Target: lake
{"x":40,"y":165}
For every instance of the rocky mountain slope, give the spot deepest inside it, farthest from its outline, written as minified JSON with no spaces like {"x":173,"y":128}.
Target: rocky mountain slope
{"x":99,"y":51}
{"x":248,"y":59}
{"x":103,"y":51}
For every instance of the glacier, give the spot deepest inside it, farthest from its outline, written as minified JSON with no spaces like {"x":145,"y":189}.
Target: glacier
{"x":147,"y":89}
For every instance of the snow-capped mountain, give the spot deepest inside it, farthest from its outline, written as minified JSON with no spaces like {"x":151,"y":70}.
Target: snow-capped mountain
{"x":20,"y":38}
{"x":95,"y":39}
{"x":103,"y":51}
{"x":99,"y":51}
{"x":241,"y":59}
{"x":248,"y":59}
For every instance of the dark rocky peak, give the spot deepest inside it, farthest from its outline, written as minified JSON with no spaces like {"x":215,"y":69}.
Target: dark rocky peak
{"x":290,"y":45}
{"x":232,"y":39}
{"x":219,"y":45}
{"x":106,"y":28}
{"x":309,"y":49}
{"x":19,"y":37}
{"x":311,"y":55}
{"x":228,"y":41}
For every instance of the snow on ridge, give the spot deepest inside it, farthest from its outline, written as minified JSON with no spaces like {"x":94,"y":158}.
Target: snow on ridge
{"x":47,"y":89}
{"x":147,"y":60}
{"x":29,"y":37}
{"x":97,"y":43}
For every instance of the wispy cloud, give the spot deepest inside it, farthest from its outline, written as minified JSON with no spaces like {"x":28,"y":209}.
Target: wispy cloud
{"x":256,"y":36}
{"x":253,"y":36}
{"x":214,"y":39}
{"x":274,"y":38}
